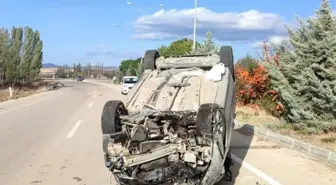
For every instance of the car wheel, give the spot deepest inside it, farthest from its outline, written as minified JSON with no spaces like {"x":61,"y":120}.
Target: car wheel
{"x":150,"y":59}
{"x":206,"y":114}
{"x":110,"y":121}
{"x":226,"y":57}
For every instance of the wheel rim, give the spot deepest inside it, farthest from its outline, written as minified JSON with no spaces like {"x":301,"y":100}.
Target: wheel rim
{"x":120,"y":111}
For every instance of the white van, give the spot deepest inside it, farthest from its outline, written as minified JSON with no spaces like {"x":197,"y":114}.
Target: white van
{"x":127,"y":83}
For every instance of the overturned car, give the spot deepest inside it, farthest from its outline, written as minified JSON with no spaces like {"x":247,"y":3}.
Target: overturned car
{"x":176,"y":125}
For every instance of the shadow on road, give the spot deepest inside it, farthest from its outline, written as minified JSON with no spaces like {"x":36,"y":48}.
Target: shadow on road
{"x":240,"y":144}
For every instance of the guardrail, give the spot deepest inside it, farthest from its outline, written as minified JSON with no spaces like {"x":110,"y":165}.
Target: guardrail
{"x":53,"y":86}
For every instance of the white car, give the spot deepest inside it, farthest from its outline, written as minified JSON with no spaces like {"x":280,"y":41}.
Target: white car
{"x":127,"y":84}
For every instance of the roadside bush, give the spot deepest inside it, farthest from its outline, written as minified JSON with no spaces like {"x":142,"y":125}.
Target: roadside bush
{"x":248,"y":63}
{"x":310,"y":127}
{"x":253,"y":87}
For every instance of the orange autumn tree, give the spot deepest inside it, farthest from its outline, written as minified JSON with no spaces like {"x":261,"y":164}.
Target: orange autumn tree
{"x":253,"y":86}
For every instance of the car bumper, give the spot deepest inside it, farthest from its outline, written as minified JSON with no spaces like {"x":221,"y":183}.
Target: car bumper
{"x":125,"y":91}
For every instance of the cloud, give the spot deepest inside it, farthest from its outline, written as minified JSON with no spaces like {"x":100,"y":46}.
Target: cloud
{"x":225,"y":26}
{"x":271,"y":40}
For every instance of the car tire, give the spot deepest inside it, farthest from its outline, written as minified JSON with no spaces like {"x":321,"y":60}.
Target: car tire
{"x":226,"y":57}
{"x":150,"y":59}
{"x":110,"y":121}
{"x":203,"y":124}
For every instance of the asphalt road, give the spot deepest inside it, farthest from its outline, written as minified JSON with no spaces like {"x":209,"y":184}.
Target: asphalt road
{"x":54,"y":138}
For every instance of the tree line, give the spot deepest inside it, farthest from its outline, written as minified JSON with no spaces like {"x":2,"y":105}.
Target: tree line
{"x":21,"y":54}
{"x":78,"y":69}
{"x":176,"y":48}
{"x":296,"y":80}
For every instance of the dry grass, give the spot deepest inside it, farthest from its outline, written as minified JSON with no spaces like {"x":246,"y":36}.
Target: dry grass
{"x":261,"y":119}
{"x":325,"y":140}
{"x":23,"y":91}
{"x":255,"y":117}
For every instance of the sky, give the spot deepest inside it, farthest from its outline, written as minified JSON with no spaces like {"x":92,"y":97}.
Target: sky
{"x":109,"y":31}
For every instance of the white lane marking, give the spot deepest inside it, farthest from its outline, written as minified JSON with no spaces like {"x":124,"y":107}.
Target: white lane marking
{"x":255,"y":170}
{"x":27,"y":105}
{"x":90,"y":105}
{"x":73,"y":130}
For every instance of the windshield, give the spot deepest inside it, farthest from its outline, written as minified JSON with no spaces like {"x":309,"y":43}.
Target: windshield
{"x":130,"y":80}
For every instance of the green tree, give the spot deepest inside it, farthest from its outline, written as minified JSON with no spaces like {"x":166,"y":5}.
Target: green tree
{"x":248,"y":63}
{"x":36,"y":63}
{"x":4,"y":51}
{"x":164,"y":50}
{"x":207,"y":47}
{"x":176,"y":48}
{"x":129,"y":64}
{"x":25,"y":65}
{"x":129,"y":71}
{"x":15,"y":44}
{"x":20,"y":54}
{"x":305,"y":75}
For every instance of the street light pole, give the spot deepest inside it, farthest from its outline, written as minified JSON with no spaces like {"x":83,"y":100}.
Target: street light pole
{"x":143,"y":34}
{"x":195,"y":25}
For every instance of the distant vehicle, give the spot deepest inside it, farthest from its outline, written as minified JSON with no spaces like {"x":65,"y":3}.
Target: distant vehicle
{"x":128,"y":83}
{"x":79,"y":78}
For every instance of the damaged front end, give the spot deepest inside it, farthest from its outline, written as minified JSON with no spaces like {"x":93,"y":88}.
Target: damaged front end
{"x":163,"y":147}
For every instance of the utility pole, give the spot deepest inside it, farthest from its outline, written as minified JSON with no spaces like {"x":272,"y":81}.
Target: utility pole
{"x":195,"y":25}
{"x":142,"y":34}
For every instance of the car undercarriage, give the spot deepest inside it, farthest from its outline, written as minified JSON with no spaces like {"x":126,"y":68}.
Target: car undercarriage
{"x":156,"y":147}
{"x":176,"y":125}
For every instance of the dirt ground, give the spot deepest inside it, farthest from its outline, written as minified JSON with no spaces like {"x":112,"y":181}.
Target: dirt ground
{"x":23,"y":90}
{"x":261,"y":119}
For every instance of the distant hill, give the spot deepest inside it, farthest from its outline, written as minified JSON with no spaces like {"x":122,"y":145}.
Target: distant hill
{"x":49,"y":65}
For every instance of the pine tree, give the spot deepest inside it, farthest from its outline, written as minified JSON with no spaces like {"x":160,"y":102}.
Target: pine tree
{"x":207,"y":47}
{"x":305,"y":77}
